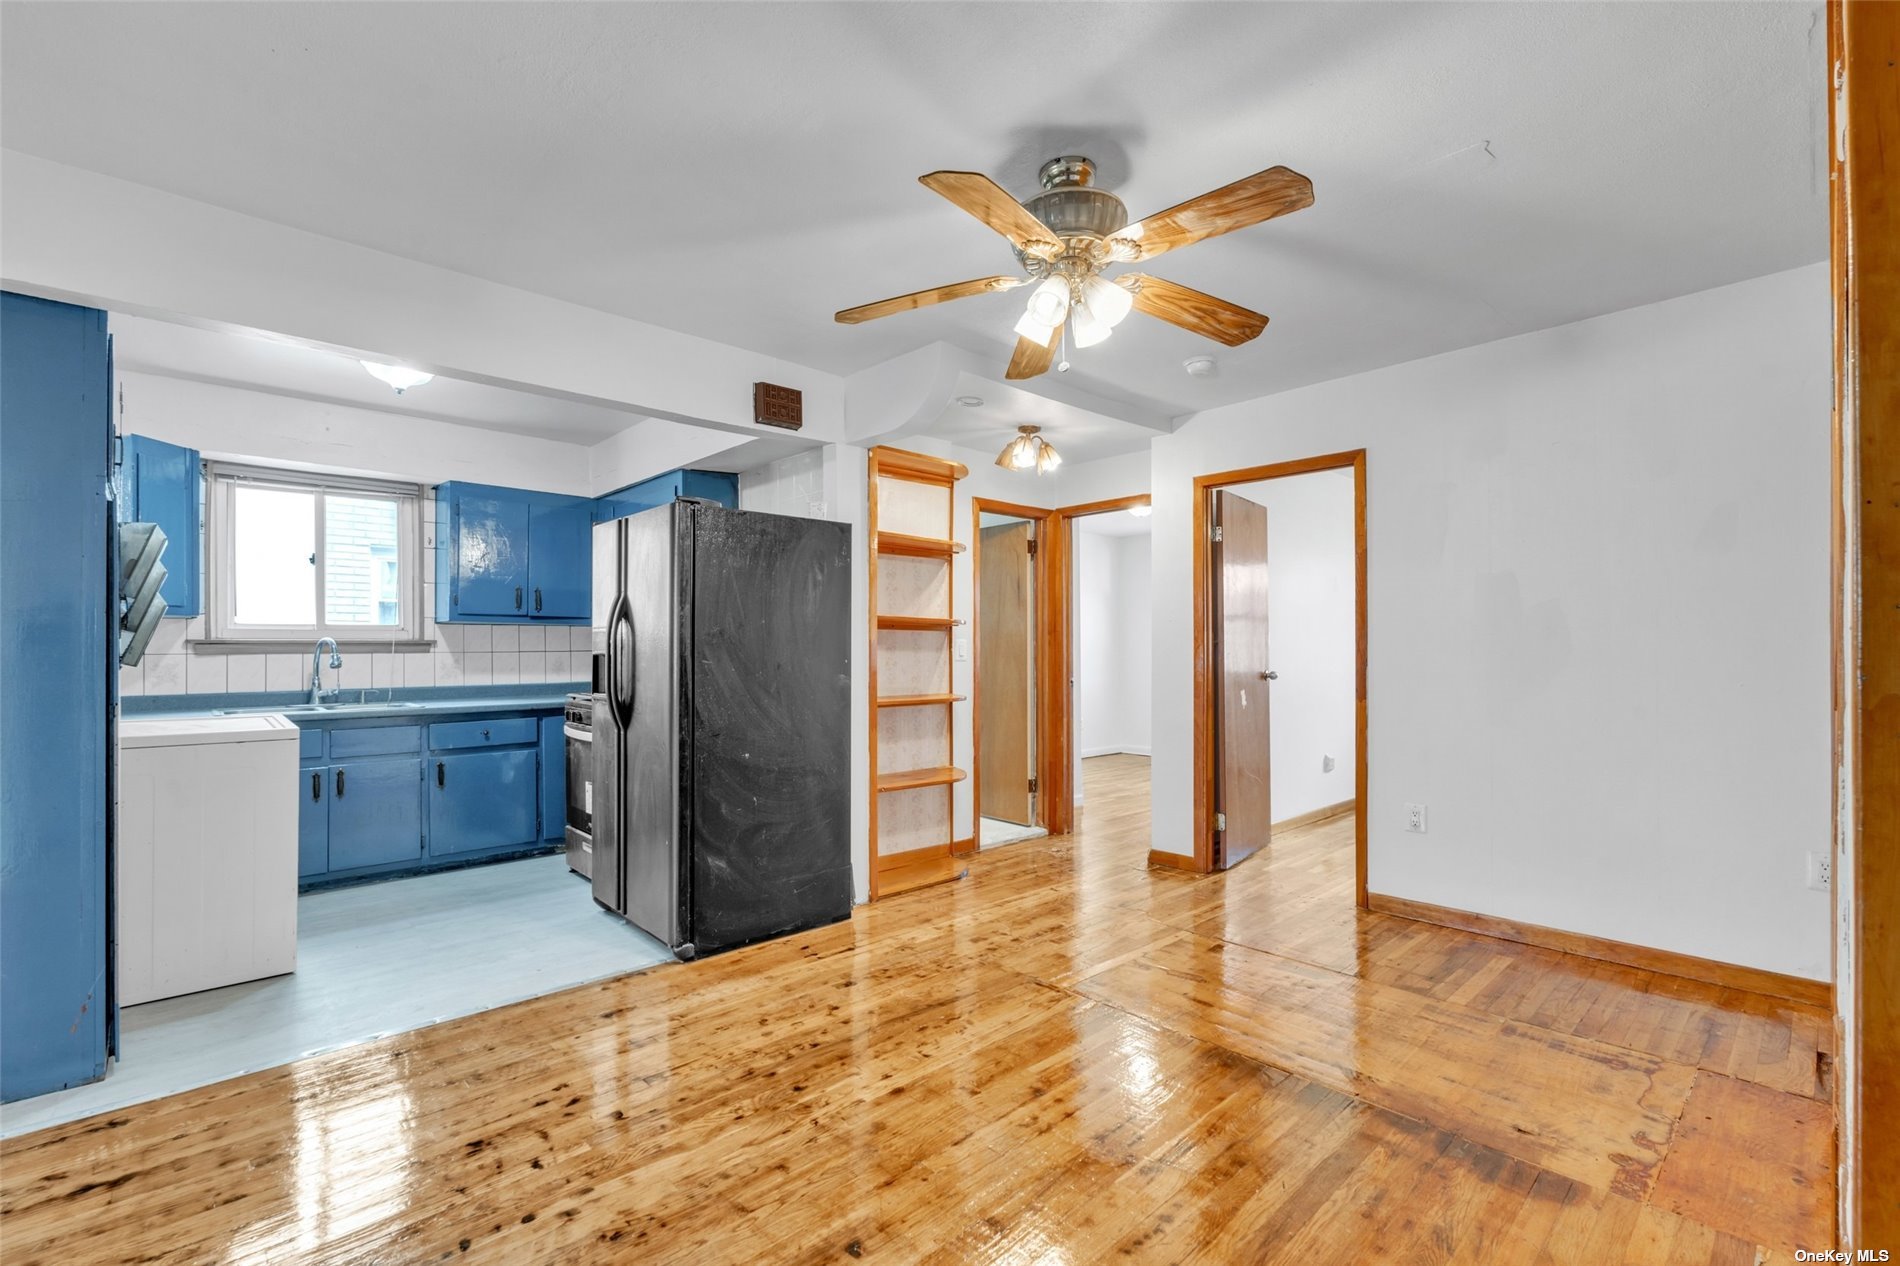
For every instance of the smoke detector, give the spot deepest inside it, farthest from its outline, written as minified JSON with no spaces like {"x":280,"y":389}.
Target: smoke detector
{"x":1199,"y":366}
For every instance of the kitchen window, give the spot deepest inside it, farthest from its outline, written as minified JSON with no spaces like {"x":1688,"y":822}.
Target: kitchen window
{"x":297,"y":556}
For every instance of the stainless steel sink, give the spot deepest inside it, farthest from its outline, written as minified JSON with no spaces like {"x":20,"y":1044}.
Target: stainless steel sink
{"x":307,"y":709}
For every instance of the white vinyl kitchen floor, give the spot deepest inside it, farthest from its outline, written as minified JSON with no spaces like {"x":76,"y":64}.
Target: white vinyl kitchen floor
{"x":371,"y":960}
{"x":995,"y":831}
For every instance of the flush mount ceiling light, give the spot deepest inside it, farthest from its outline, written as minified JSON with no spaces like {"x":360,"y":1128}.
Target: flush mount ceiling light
{"x":970,"y":402}
{"x":1141,"y":511}
{"x":401,"y":377}
{"x":1068,"y":234}
{"x":1029,"y":451}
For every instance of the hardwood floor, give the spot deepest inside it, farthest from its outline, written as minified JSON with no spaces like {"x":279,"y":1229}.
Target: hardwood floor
{"x":1066,"y":1057}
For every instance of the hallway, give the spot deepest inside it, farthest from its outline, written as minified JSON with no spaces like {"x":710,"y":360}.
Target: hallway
{"x":1065,"y":1057}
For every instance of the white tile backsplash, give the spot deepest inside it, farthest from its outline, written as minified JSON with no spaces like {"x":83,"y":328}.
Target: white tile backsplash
{"x":506,"y":667}
{"x":534,"y":665}
{"x":478,"y":668}
{"x":246,"y":673}
{"x":283,"y":672}
{"x":385,"y":669}
{"x":132,"y":678}
{"x":507,"y":637}
{"x":418,"y":668}
{"x":478,"y":637}
{"x":358,"y":672}
{"x":448,"y":669}
{"x":205,"y":674}
{"x":165,"y":674}
{"x":534,"y":638}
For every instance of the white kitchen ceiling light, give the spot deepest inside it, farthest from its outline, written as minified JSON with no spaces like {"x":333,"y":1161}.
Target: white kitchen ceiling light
{"x":1029,"y":451}
{"x":400,"y":377}
{"x":1141,"y":511}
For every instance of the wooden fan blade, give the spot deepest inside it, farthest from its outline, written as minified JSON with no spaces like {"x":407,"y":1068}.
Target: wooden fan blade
{"x":1198,"y":313}
{"x":1032,"y":358}
{"x":1259,"y":197}
{"x":991,"y":203}
{"x":924,"y":298}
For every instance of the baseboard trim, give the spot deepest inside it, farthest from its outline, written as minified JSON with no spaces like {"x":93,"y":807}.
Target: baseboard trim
{"x":1816,"y":993}
{"x":963,"y":847}
{"x":1325,"y":813}
{"x":1172,"y":861}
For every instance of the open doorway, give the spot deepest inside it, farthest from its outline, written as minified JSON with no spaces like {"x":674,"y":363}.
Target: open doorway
{"x":1280,"y":674}
{"x":1111,"y":661}
{"x":1009,"y":565}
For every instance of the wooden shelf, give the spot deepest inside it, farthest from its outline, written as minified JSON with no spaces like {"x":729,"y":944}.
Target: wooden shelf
{"x":917,"y":701}
{"x":917,"y":546}
{"x":916,"y":623}
{"x":903,"y":872}
{"x":910,"y":779}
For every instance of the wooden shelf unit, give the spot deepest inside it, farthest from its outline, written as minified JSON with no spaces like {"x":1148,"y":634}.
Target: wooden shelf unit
{"x":917,"y":546}
{"x":912,"y":508}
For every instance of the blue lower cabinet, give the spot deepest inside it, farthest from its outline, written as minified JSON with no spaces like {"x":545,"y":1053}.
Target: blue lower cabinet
{"x":375,"y":812}
{"x":313,"y":820}
{"x":481,"y":800}
{"x":553,"y":779}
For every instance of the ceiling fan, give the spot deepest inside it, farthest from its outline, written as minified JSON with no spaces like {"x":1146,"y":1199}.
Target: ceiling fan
{"x":1068,"y":234}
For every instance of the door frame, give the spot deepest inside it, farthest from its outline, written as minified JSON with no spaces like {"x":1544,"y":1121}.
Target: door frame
{"x":1049,"y":696}
{"x":1202,"y":861}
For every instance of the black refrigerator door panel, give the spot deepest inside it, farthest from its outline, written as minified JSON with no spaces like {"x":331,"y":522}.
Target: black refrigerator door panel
{"x":771,"y":722}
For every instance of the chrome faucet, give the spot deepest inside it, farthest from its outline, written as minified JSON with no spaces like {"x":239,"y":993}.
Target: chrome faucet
{"x":316,"y":667}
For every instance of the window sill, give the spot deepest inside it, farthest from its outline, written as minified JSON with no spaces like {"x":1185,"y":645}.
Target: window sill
{"x":287,"y":646}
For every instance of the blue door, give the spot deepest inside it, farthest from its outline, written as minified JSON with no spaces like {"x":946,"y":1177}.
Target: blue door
{"x":375,"y":813}
{"x":491,"y":555}
{"x":560,"y":559}
{"x":482,"y":800}
{"x":553,"y":778}
{"x":56,"y":992}
{"x":313,"y":820}
{"x":165,"y":482}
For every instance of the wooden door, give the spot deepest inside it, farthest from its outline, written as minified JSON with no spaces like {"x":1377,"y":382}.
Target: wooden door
{"x":1006,"y":673}
{"x":1240,"y":664}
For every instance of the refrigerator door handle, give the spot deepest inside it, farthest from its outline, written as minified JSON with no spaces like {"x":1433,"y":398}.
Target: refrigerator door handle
{"x":620,"y":683}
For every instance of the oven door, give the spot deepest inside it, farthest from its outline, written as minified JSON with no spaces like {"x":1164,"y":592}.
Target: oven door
{"x":580,"y":799}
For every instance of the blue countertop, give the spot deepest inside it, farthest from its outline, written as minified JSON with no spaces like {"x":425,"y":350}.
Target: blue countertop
{"x":420,"y":702}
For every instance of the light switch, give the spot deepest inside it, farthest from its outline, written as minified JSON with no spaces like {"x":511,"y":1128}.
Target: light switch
{"x":963,"y":650}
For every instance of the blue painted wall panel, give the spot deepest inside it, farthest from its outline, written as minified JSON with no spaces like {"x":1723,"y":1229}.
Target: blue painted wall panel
{"x":56,"y":657}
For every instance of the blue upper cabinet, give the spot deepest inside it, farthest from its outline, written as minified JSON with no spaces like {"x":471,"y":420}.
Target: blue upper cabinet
{"x":560,"y":559}
{"x":709,"y":485}
{"x":164,"y":484}
{"x":507,"y":555}
{"x":488,"y":544}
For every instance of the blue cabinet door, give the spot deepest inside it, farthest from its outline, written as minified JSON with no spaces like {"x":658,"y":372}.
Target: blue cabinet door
{"x":164,"y":483}
{"x":482,"y":800}
{"x":375,"y":812}
{"x":490,"y":538}
{"x":560,"y":559}
{"x":313,"y":820}
{"x":553,"y":779}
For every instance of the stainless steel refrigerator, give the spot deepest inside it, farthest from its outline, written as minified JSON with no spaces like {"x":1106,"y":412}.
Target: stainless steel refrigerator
{"x":722,"y":723}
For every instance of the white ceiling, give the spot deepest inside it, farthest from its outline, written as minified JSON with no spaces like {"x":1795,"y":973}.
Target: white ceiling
{"x":740,"y":171}
{"x":294,"y":369}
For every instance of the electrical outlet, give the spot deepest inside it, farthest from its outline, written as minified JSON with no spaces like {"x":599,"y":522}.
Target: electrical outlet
{"x":1415,"y":818}
{"x":1820,"y":871}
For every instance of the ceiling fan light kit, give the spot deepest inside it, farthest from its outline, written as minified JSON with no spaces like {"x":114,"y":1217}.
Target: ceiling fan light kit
{"x":1029,"y":451}
{"x":1067,"y":235}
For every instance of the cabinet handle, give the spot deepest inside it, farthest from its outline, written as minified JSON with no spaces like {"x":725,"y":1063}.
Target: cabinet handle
{"x":537,"y":597}
{"x":316,"y":784}
{"x":517,"y":597}
{"x":339,"y":781}
{"x":441,"y":775}
{"x":484,"y":733}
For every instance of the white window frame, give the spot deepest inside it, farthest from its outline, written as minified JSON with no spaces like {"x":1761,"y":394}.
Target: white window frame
{"x":221,"y":482}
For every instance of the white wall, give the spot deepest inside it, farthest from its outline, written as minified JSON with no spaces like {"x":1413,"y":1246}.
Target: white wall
{"x":1113,"y":640}
{"x":1599,"y":649}
{"x":1310,"y":638}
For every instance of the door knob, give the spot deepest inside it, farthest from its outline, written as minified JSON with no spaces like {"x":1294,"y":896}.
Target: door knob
{"x":1269,"y":676}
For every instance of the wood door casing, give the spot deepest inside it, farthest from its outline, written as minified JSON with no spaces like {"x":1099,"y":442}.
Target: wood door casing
{"x":1006,"y":673}
{"x":1240,"y":654}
